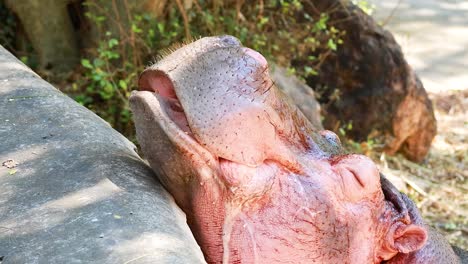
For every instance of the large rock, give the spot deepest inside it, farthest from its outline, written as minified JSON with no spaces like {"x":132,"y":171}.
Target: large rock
{"x":73,"y":189}
{"x":378,"y":91}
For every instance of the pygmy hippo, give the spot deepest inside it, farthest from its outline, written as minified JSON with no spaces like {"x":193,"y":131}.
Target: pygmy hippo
{"x":257,"y":182}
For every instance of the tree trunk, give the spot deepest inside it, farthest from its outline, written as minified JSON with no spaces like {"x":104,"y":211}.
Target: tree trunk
{"x":50,"y":30}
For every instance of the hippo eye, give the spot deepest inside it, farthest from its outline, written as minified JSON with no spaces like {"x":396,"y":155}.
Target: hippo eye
{"x":359,"y":172}
{"x":230,"y":40}
{"x":331,"y":137}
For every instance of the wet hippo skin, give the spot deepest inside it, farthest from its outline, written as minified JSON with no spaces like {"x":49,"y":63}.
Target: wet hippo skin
{"x":258,"y":182}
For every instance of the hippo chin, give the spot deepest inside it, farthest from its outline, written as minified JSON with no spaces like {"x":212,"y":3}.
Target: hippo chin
{"x":257,"y":182}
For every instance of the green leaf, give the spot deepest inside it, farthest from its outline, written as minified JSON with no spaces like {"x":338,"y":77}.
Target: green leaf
{"x":160,"y":27}
{"x":450,"y":226}
{"x":136,"y":29}
{"x":86,"y":63}
{"x":100,"y":18}
{"x":96,"y":77}
{"x":123,"y":84}
{"x":107,"y":91}
{"x":98,"y":63}
{"x":83,"y":99}
{"x":263,"y":21}
{"x":151,"y":33}
{"x":322,"y":23}
{"x":113,"y":42}
{"x":291,"y":71}
{"x":24,"y":59}
{"x":310,"y":40}
{"x":310,"y":71}
{"x":331,"y":44}
{"x":342,"y":131}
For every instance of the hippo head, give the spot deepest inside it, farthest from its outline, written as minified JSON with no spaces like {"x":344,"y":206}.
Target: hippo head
{"x":257,"y":182}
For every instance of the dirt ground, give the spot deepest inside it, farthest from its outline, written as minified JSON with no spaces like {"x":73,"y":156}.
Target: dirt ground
{"x":434,"y":37}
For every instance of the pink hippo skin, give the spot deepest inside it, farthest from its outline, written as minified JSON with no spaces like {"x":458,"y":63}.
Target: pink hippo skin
{"x":257,"y":182}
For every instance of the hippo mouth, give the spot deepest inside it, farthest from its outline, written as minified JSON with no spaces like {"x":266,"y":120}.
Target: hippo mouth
{"x":159,"y":98}
{"x":161,"y":86}
{"x":163,"y":105}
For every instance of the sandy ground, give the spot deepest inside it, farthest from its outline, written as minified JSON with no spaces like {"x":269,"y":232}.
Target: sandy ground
{"x":434,"y":38}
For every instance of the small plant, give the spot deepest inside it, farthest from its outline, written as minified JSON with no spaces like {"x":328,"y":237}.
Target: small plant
{"x":99,"y":72}
{"x":107,"y":88}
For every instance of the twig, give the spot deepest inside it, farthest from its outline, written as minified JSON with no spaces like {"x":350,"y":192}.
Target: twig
{"x":239,"y":15}
{"x":322,"y":58}
{"x":409,"y":164}
{"x":185,"y":18}
{"x":132,"y":36}
{"x":314,"y":9}
{"x":140,"y":257}
{"x":260,"y":8}
{"x":413,"y":185}
{"x":391,"y":14}
{"x":197,"y":5}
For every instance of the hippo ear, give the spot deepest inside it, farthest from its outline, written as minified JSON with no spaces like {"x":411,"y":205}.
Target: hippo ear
{"x":409,"y":238}
{"x":403,"y":238}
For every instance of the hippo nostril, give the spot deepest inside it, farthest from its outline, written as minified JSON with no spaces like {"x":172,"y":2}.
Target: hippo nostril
{"x":358,"y":178}
{"x":359,"y":171}
{"x":230,"y":40}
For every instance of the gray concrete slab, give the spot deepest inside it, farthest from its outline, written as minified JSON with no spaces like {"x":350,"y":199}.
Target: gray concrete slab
{"x":73,"y":190}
